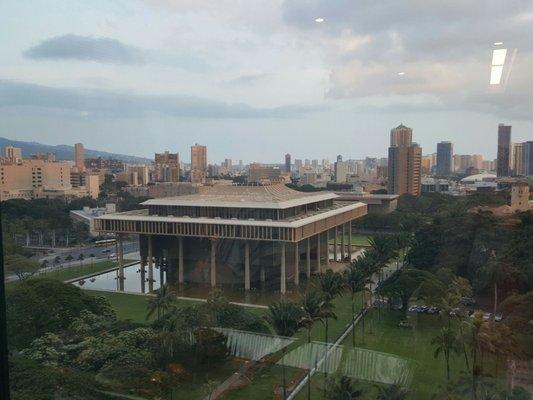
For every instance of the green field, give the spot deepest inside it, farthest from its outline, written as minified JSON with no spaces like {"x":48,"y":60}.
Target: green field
{"x":74,"y":271}
{"x":130,"y":306}
{"x":357,"y":240}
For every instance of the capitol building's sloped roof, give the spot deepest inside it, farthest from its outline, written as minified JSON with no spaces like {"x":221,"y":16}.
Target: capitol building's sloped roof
{"x":270,"y":196}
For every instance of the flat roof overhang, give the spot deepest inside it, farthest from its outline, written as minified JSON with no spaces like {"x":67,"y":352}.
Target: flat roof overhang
{"x":297,"y":229}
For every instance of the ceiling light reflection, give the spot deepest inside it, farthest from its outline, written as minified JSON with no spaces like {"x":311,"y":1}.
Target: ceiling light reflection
{"x":498,"y":56}
{"x":496,"y":74}
{"x":319,"y":19}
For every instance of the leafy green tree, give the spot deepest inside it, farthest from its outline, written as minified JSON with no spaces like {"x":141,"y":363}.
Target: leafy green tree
{"x":392,"y":392}
{"x":342,"y":388}
{"x":47,"y":350}
{"x":285,"y":318}
{"x":445,"y":344}
{"x":38,"y":306}
{"x":21,"y":266}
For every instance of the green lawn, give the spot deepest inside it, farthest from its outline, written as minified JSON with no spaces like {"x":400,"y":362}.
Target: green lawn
{"x":357,"y":240}
{"x":75,"y":271}
{"x":130,"y":306}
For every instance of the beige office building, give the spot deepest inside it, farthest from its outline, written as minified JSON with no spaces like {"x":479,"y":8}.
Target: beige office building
{"x":30,"y":178}
{"x":405,"y":163}
{"x":198,"y":163}
{"x":13,"y":154}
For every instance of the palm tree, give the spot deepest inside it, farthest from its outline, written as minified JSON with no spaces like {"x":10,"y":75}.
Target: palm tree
{"x":331,"y":284}
{"x":161,"y":302}
{"x":69,"y":258}
{"x":355,"y":281}
{"x":445,"y":343}
{"x":285,"y":318}
{"x":382,"y":249}
{"x":315,"y":308}
{"x":392,"y":392}
{"x":342,"y":389}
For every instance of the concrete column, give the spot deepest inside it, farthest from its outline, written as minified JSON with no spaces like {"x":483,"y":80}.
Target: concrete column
{"x":143,"y":275}
{"x":161,"y":272}
{"x":335,"y":244}
{"x":283,"y":285}
{"x":120,"y":258}
{"x":246,"y":265}
{"x":180,"y":260}
{"x":318,"y":255}
{"x":296,"y":264}
{"x":350,"y":240}
{"x":343,"y":242}
{"x":150,"y":260}
{"x":213,"y":263}
{"x":308,"y":269}
{"x":327,"y":247}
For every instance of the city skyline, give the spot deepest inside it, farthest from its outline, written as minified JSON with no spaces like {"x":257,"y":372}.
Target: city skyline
{"x":243,"y":82}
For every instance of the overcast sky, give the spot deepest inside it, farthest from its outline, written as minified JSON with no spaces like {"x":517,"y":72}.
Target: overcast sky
{"x":255,"y":79}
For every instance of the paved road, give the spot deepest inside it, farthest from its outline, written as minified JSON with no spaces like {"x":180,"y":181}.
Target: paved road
{"x":100,"y":253}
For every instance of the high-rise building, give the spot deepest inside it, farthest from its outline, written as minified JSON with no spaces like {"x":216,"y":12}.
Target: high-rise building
{"x":198,"y":163}
{"x":518,"y":165}
{"x":287,"y":162}
{"x":79,"y":156}
{"x":503,"y":166}
{"x":401,"y":136}
{"x":528,"y":158}
{"x":405,"y":159}
{"x":444,"y":158}
{"x":341,"y":171}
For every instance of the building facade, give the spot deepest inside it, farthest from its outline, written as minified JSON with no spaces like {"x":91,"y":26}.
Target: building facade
{"x":198,"y":163}
{"x":242,"y":236}
{"x":444,"y":158}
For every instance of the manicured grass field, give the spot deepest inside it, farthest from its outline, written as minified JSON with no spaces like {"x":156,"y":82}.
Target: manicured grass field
{"x":74,"y":271}
{"x":129,"y":306}
{"x":357,"y":240}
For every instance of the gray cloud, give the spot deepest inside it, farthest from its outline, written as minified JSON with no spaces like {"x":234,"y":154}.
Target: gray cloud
{"x":75,"y":47}
{"x":106,"y":104}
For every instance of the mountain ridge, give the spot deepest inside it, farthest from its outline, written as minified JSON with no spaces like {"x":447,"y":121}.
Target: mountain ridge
{"x":66,"y":152}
